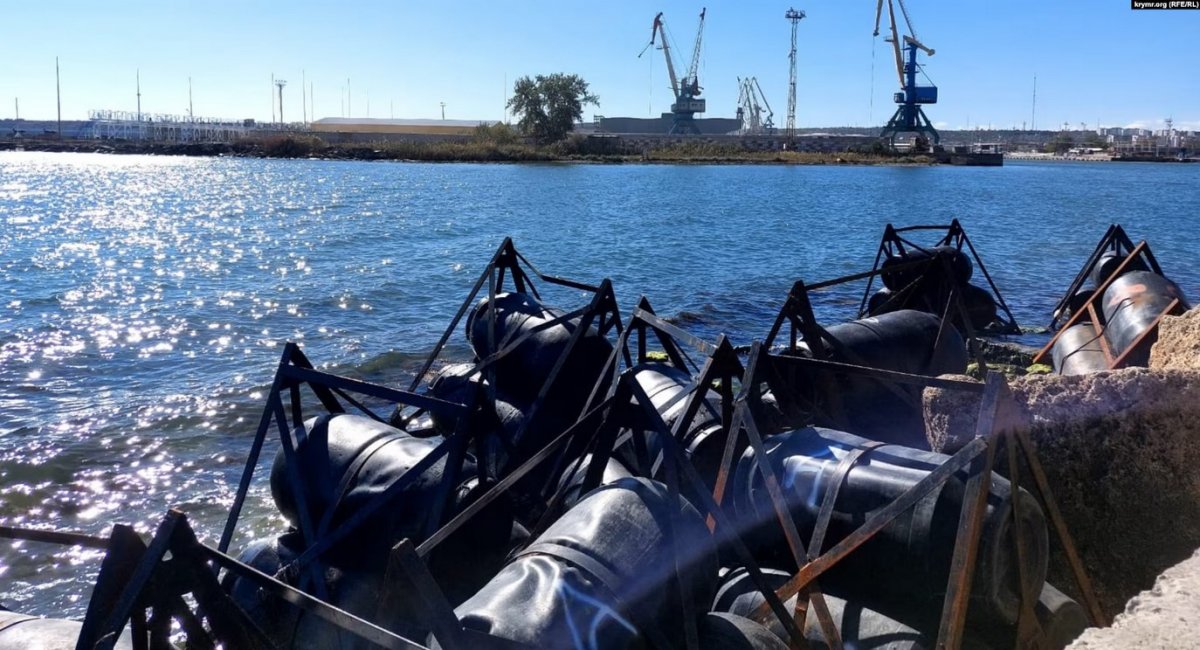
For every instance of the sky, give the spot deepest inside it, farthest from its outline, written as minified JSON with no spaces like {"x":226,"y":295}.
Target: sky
{"x":1096,"y":61}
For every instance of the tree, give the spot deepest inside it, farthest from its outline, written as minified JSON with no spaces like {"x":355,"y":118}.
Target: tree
{"x":549,"y":105}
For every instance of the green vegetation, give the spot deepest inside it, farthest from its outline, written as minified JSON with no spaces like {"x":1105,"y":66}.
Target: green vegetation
{"x":1060,"y":143}
{"x":488,"y":143}
{"x":550,"y":105}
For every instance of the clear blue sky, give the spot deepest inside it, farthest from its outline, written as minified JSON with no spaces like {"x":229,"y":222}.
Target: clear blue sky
{"x":1094,"y":59}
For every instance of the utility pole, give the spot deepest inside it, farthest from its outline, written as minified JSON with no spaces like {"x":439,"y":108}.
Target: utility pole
{"x":58,"y":96}
{"x":191,"y":108}
{"x":272,"y":97}
{"x":303,"y":105}
{"x":794,"y":17}
{"x":281,"y":83}
{"x":349,"y":105}
{"x":311,"y":105}
{"x":17,"y":107}
{"x":1033,"y":115}
{"x":139,"y":94}
{"x":443,"y":110}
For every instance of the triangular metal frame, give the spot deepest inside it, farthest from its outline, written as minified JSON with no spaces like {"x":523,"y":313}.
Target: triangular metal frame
{"x":508,"y":264}
{"x":797,"y":314}
{"x":895,"y":242}
{"x":995,"y":426}
{"x":1114,"y":240}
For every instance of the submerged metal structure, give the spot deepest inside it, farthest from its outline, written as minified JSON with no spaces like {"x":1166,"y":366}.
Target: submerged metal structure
{"x":701,"y":430}
{"x":1113,"y":322}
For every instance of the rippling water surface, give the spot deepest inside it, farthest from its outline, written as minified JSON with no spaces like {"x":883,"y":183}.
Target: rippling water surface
{"x":144,"y":301}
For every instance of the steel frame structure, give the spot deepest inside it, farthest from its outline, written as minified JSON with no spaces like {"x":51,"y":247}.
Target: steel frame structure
{"x":1114,"y":240}
{"x":896,"y":242}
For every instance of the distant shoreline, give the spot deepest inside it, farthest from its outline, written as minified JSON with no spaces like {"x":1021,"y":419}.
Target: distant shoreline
{"x":306,"y":148}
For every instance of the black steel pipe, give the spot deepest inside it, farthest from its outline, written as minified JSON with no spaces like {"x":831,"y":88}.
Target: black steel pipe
{"x":605,"y":569}
{"x":914,"y":549}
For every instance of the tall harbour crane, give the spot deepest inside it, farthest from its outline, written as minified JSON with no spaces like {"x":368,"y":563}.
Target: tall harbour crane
{"x":686,"y":90}
{"x":753,"y":109}
{"x":909,"y":117}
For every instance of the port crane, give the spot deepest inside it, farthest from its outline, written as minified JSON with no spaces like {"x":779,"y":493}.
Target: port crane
{"x":909,"y":117}
{"x":752,"y":103}
{"x":686,"y":90}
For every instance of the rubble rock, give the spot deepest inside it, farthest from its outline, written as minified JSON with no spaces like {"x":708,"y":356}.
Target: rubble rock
{"x":1164,"y":617}
{"x":1121,"y":450}
{"x":1178,"y":345}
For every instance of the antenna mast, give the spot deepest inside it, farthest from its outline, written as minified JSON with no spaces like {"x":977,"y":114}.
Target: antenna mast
{"x":794,"y":17}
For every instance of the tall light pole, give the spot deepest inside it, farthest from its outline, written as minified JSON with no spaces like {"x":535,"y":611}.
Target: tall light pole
{"x":191,"y":109}
{"x":794,"y":17}
{"x":443,"y":110}
{"x":280,"y":83}
{"x":58,"y":96}
{"x":139,"y":94}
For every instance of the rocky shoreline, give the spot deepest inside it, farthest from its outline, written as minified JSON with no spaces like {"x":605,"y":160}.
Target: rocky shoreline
{"x":307,"y":147}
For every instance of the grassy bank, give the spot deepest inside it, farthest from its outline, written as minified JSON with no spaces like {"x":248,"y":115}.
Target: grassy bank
{"x":485,"y":147}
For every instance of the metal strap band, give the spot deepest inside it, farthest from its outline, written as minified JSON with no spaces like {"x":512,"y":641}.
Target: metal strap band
{"x":831,"y":494}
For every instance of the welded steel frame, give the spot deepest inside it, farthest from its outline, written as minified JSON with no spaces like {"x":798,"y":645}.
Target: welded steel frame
{"x":996,"y":426}
{"x":627,"y":406}
{"x":334,"y":393}
{"x":1114,"y":358}
{"x":896,"y":242}
{"x":1114,"y":240}
{"x":797,"y":314}
{"x":509,"y":265}
{"x":143,"y":585}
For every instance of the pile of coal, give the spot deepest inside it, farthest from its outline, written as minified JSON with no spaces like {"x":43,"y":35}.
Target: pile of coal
{"x":929,"y":287}
{"x":1123,"y":320}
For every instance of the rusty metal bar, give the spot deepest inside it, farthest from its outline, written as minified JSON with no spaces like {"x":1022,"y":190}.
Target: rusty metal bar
{"x":323,"y":610}
{"x":1060,"y":528}
{"x":881,"y":518}
{"x":1119,"y":362}
{"x":970,"y":525}
{"x":1097,"y":295}
{"x":877,"y":373}
{"x":508,"y":481}
{"x":54,"y":537}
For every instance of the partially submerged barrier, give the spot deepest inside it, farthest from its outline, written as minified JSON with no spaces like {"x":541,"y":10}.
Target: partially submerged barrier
{"x":678,"y":427}
{"x":1113,"y":323}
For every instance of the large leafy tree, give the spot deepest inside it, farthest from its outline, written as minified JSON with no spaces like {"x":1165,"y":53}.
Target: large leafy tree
{"x":549,"y":105}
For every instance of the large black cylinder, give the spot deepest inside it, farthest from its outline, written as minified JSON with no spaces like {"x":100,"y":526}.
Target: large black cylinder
{"x":914,"y":549}
{"x":1131,"y":305}
{"x":701,"y":438}
{"x":960,"y":265}
{"x":604,"y":570}
{"x":859,"y":627}
{"x":904,"y":341}
{"x":345,"y":461}
{"x":1107,"y":265}
{"x":1078,"y":351}
{"x":525,"y":368}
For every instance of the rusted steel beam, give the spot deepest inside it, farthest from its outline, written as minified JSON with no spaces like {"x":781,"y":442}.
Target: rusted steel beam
{"x":970,"y":525}
{"x":1097,"y":295}
{"x":1060,"y":528}
{"x":878,"y":521}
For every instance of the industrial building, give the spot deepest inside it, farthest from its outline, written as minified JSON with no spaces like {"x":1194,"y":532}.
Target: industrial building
{"x":379,"y":126}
